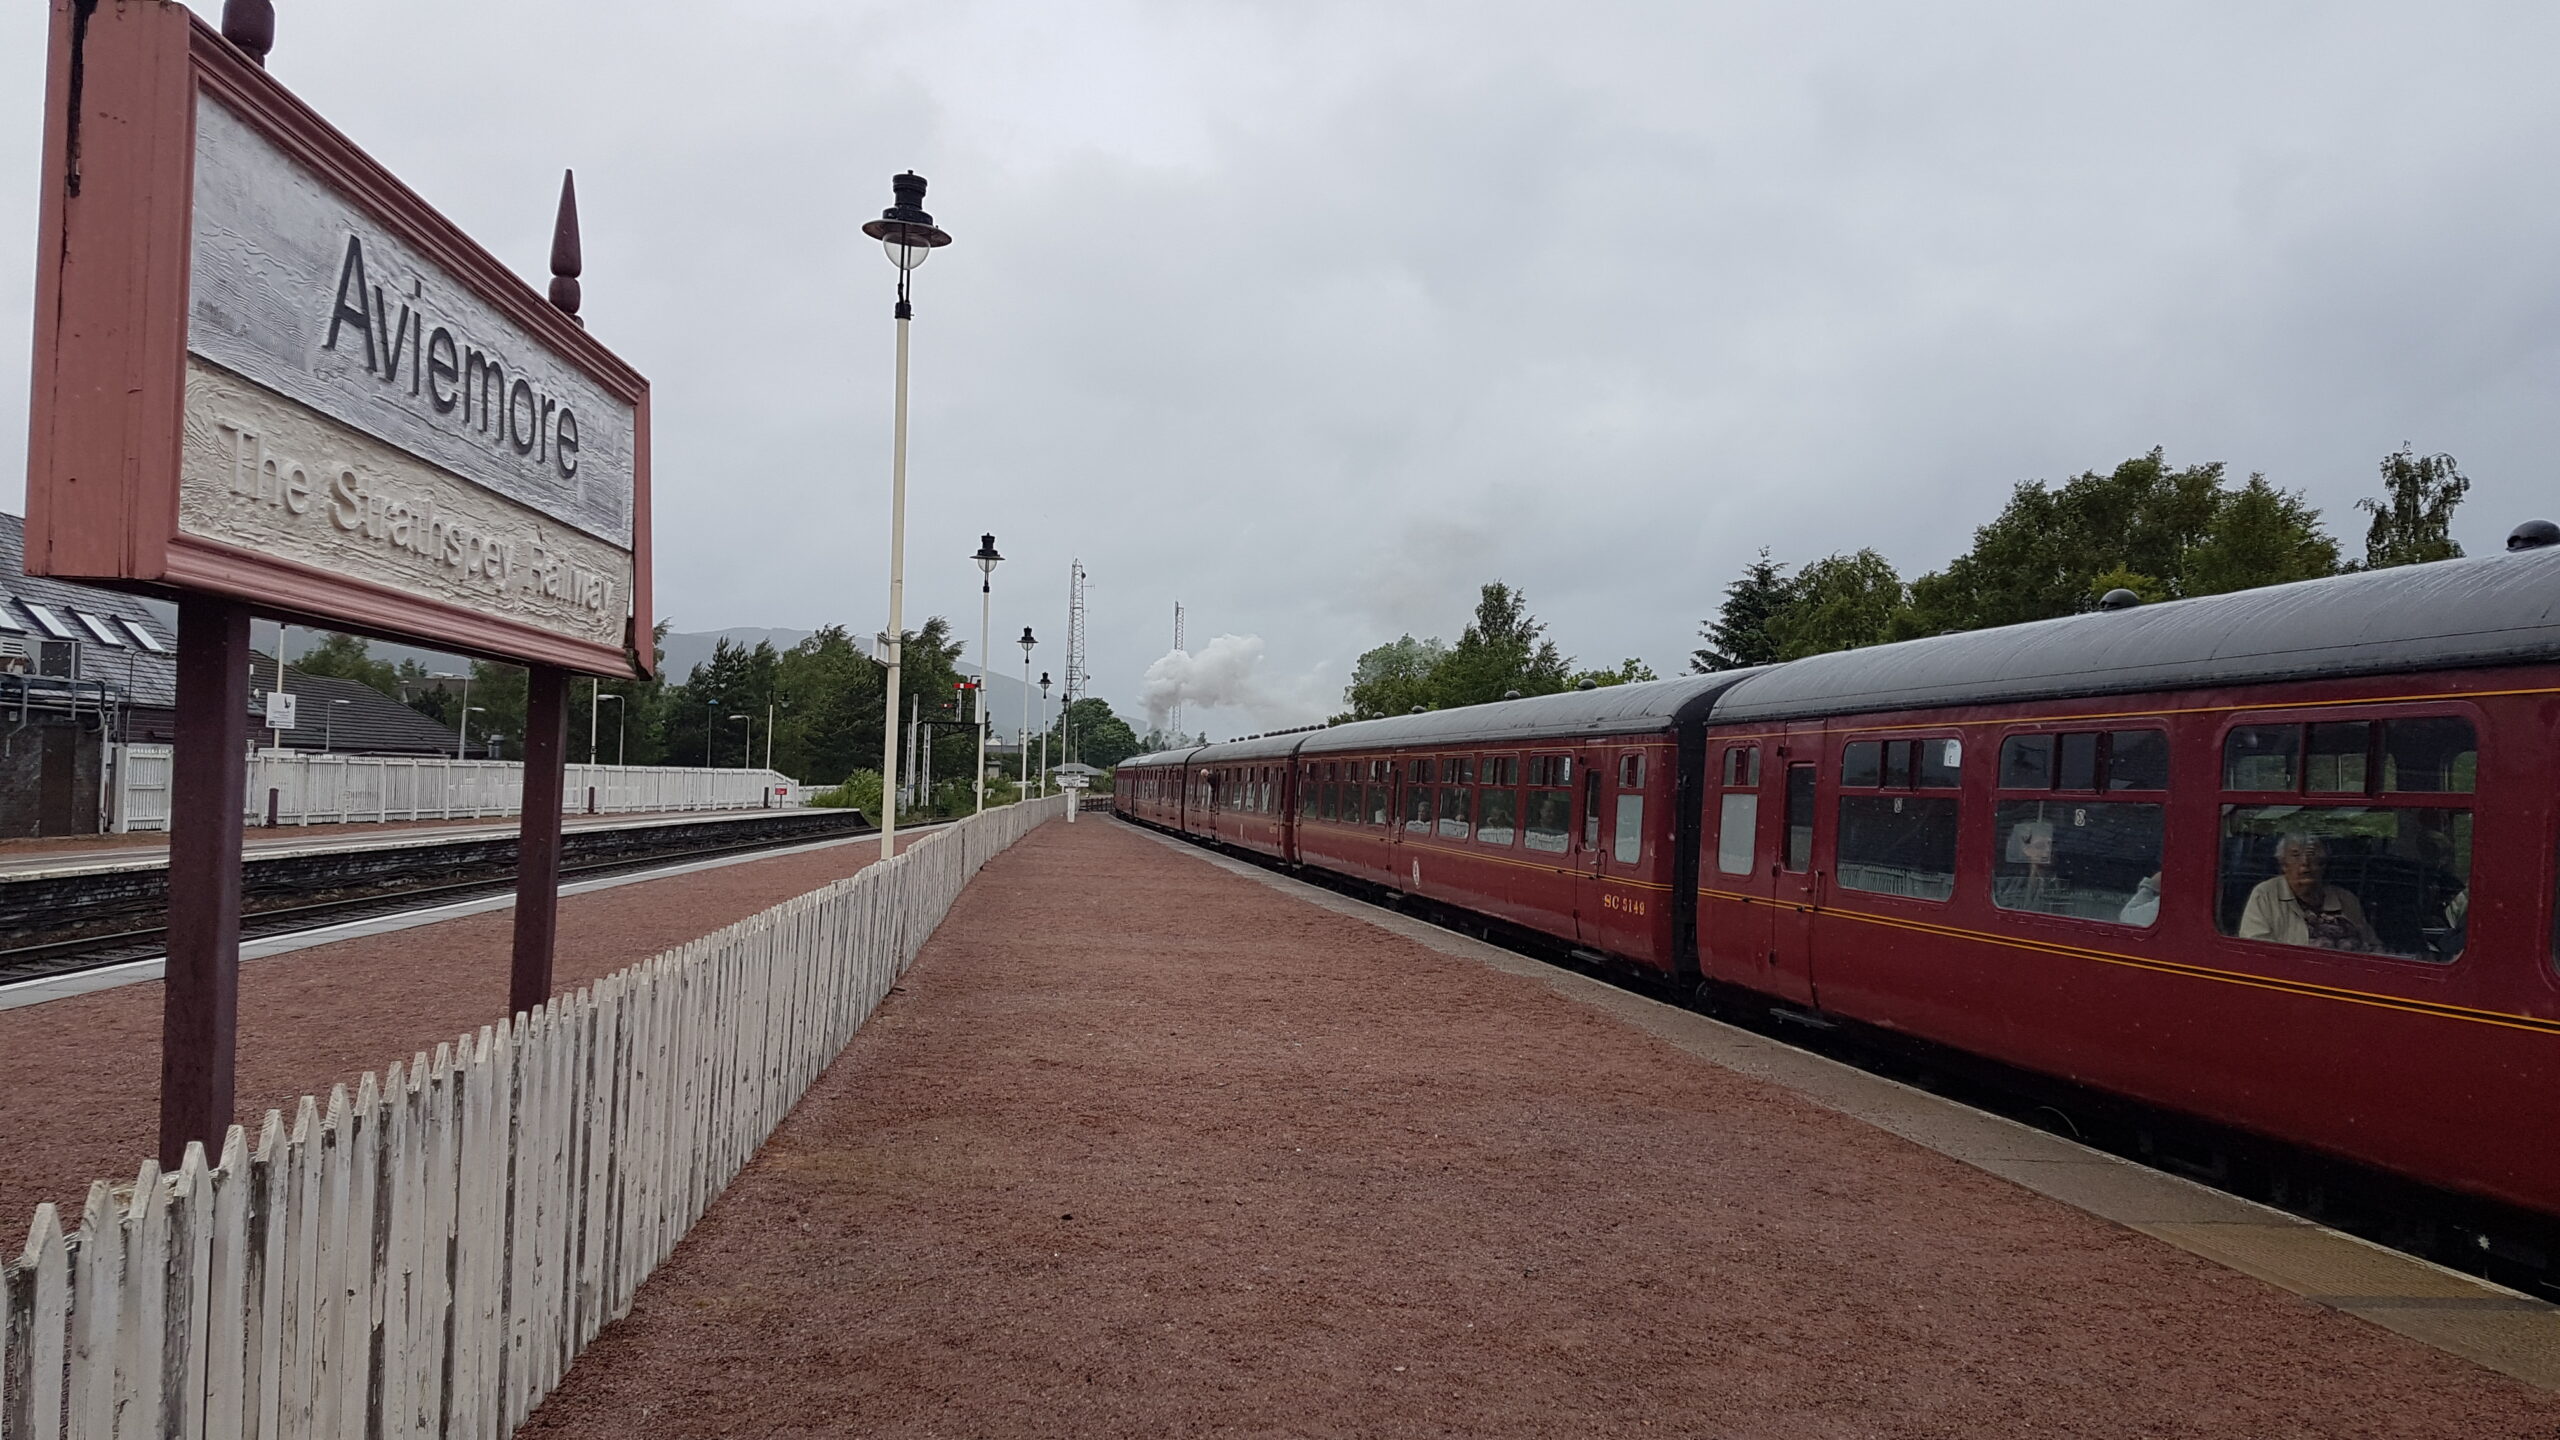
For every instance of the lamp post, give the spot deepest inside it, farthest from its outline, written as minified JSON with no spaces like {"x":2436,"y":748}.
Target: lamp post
{"x":907,"y":233}
{"x":769,"y":707}
{"x":329,"y":726}
{"x":1023,"y":764}
{"x":621,"y":732}
{"x":462,"y":738}
{"x":747,"y":741}
{"x":710,"y":732}
{"x":1044,"y":733}
{"x":987,"y":559}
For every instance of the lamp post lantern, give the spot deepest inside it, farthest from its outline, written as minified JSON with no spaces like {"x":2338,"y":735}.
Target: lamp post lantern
{"x":1023,"y":764}
{"x":908,"y":234}
{"x":987,"y":559}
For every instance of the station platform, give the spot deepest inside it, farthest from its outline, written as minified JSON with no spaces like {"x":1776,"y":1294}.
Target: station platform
{"x":53,"y":857}
{"x":1153,"y":1142}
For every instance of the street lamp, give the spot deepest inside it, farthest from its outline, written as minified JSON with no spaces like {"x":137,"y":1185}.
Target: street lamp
{"x":769,"y":707}
{"x":329,"y":726}
{"x":987,"y":559}
{"x":907,"y":233}
{"x":747,"y":742}
{"x":462,"y":737}
{"x":1023,"y":764}
{"x":621,"y":731}
{"x":1044,"y":733}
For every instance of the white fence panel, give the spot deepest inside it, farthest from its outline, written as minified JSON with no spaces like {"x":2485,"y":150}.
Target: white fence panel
{"x":338,"y":789}
{"x":427,"y":1258}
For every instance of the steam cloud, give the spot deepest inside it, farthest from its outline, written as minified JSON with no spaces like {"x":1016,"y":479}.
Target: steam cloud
{"x":1222,"y":673}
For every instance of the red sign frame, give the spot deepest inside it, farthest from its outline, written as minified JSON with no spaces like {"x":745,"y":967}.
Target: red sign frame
{"x":114,"y":239}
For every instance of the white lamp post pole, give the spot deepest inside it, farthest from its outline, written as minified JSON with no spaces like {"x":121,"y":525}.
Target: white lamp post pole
{"x":986,"y":558}
{"x":1023,"y":765}
{"x":908,"y":234}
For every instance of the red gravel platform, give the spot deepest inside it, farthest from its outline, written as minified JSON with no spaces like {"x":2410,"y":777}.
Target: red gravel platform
{"x":1147,"y":1148}
{"x":80,"y":1077}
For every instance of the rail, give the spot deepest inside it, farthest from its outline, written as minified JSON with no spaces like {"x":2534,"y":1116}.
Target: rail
{"x":312,"y":789}
{"x":428,"y":1257}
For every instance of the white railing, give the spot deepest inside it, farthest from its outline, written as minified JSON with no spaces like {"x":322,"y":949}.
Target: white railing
{"x":427,"y":1258}
{"x":338,"y":789}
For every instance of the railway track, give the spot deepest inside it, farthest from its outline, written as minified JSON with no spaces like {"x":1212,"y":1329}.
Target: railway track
{"x":94,"y":949}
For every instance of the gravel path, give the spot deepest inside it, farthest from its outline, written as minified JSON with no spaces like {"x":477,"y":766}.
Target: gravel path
{"x":80,"y":1078}
{"x":1148,"y":1149}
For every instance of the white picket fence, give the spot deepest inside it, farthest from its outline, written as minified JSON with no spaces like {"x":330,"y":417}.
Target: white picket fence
{"x":427,"y":1258}
{"x":336,"y":789}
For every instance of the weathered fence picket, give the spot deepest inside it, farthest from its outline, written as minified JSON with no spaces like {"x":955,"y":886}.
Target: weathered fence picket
{"x":424,"y":1259}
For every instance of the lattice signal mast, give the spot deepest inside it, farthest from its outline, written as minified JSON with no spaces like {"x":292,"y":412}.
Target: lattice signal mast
{"x":1177,"y":694}
{"x":1075,"y":651}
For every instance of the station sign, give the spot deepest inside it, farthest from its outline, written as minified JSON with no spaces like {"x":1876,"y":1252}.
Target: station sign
{"x":283,"y":710}
{"x":267,"y":369}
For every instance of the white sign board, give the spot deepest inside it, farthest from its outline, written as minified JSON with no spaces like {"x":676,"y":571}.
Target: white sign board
{"x":280,"y":709}
{"x":353,"y":407}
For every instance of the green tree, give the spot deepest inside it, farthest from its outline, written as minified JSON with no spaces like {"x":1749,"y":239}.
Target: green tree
{"x":1394,"y":678}
{"x":1840,"y":602}
{"x":2260,"y":536}
{"x":1101,"y":738}
{"x":1739,"y":635}
{"x":2413,"y":518}
{"x":2040,"y":556}
{"x":1503,"y":649}
{"x":1628,"y":672}
{"x":344,"y":657}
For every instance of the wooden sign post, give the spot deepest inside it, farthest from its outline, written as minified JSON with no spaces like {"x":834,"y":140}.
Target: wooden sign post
{"x":269,"y":377}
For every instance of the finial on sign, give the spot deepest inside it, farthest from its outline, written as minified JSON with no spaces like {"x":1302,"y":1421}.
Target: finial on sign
{"x":251,"y":25}
{"x":566,"y":263}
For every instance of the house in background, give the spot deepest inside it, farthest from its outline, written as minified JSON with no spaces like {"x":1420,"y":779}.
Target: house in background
{"x":84,"y":670}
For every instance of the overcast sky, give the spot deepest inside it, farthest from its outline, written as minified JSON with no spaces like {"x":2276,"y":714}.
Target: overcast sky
{"x":1317,"y":316}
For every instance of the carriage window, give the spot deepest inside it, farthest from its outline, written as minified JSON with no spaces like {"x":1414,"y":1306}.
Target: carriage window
{"x":1380,"y":798}
{"x":1737,"y":832}
{"x":2138,"y":760}
{"x":1862,"y":763}
{"x":2087,"y":859}
{"x":2376,"y":879}
{"x":2075,"y":761}
{"x":2333,"y":763}
{"x":1941,"y":764}
{"x":2026,"y":762}
{"x":1898,"y":845}
{"x":1548,"y":822}
{"x":1420,"y":772}
{"x":1799,"y":818}
{"x":1458,"y":769}
{"x":2261,"y":757}
{"x":1631,"y":772}
{"x":1332,"y":800}
{"x":1897,"y":764}
{"x":1590,"y":809}
{"x":1417,"y":810}
{"x":2429,"y":754}
{"x":1742,"y":765}
{"x":1628,"y":844}
{"x":1455,"y":813}
{"x":1497,"y":813}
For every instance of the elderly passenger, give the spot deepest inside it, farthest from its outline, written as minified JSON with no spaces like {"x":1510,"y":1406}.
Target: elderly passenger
{"x":2296,"y":906}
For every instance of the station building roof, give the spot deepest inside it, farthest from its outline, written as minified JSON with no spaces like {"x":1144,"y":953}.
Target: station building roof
{"x":120,"y":642}
{"x":2501,"y":609}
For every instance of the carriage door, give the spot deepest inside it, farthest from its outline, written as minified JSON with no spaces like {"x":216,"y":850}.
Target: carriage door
{"x":1590,"y":841}
{"x":1790,"y":800}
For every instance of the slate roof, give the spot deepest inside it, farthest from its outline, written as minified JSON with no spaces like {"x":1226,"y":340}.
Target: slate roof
{"x":369,"y":723}
{"x":142,"y":675}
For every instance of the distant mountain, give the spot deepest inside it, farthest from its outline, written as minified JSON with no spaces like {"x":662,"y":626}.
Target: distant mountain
{"x":689,"y":650}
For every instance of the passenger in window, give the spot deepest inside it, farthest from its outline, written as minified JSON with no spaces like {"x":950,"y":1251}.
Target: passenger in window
{"x":2295,"y":906}
{"x":2031,"y":845}
{"x":2143,"y":906}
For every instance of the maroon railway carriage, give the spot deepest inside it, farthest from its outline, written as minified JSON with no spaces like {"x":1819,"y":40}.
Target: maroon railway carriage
{"x":1236,"y":793}
{"x":1149,"y":787}
{"x":1559,"y":814}
{"x":2281,"y":859}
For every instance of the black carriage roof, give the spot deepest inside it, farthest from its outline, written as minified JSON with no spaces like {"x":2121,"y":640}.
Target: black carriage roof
{"x":2499,"y":609}
{"x":1645,"y":707}
{"x":1257,"y":747}
{"x":1159,"y":757}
